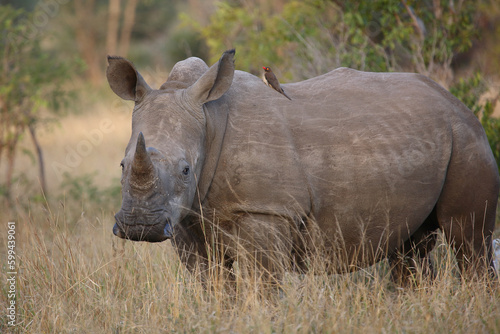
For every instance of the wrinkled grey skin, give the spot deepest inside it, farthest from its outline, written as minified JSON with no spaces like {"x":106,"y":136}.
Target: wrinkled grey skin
{"x":357,"y":168}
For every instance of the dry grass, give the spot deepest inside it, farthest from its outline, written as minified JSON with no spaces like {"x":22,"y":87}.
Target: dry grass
{"x":75,"y":276}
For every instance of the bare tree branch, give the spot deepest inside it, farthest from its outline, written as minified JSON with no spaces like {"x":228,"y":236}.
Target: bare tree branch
{"x":414,"y":18}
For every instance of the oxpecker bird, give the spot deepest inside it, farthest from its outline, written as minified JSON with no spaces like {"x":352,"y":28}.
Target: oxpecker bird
{"x":271,"y":80}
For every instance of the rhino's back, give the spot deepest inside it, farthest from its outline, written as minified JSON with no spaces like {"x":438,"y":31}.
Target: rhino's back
{"x":367,"y":126}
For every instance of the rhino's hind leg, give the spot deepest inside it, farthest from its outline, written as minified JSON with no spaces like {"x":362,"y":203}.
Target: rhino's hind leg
{"x":471,"y":240}
{"x":466,"y":212}
{"x":411,"y":263}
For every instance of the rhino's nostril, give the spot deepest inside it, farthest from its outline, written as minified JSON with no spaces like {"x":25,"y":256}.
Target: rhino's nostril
{"x":168,"y":231}
{"x":118,"y":231}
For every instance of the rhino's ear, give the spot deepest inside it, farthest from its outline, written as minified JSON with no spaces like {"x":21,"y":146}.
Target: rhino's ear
{"x":124,"y":79}
{"x":214,"y":82}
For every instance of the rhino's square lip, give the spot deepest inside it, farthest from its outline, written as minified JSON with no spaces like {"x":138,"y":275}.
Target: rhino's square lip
{"x":150,"y":236}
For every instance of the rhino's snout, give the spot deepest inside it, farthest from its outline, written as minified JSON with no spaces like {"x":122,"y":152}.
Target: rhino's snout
{"x":136,"y":230}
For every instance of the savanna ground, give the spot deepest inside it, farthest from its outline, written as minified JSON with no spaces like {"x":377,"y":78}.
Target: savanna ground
{"x":74,"y":275}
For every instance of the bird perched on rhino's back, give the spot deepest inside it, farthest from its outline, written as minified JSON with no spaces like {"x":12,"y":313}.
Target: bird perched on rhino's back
{"x":271,"y":80}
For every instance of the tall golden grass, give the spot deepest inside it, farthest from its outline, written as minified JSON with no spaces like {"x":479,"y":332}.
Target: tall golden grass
{"x":75,"y":276}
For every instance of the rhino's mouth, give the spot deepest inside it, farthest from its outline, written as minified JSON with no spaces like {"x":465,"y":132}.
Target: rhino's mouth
{"x":140,"y":232}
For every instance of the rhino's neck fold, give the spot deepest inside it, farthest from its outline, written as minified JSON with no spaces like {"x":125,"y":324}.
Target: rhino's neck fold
{"x":216,"y":114}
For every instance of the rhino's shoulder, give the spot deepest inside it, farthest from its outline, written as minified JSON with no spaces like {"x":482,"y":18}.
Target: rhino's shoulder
{"x":246,"y":82}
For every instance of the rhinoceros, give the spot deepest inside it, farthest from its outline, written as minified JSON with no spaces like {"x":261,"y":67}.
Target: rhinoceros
{"x":358,"y":167}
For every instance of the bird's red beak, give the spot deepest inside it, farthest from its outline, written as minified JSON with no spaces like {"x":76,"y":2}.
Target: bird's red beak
{"x":263,"y":67}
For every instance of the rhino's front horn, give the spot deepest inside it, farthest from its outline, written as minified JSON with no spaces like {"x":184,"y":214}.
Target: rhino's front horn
{"x":143,"y":171}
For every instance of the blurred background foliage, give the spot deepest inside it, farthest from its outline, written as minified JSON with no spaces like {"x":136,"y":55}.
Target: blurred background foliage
{"x":53,"y":51}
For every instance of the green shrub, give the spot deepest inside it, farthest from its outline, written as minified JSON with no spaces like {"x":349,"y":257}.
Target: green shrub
{"x":83,"y":190}
{"x":469,"y":91}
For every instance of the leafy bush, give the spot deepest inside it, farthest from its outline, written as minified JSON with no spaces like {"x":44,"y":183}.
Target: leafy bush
{"x":83,"y":190}
{"x":307,"y":38}
{"x":184,"y":43}
{"x":469,"y":92}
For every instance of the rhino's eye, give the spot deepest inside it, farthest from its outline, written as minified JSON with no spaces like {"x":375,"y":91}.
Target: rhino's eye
{"x":122,"y":165}
{"x":185,"y":171}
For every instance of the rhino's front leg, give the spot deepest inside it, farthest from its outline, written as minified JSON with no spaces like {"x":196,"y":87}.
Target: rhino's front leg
{"x":200,"y":249}
{"x":189,"y":245}
{"x":261,"y":247}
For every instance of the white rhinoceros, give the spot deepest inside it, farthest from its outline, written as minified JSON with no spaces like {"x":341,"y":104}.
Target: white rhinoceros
{"x":356,"y":168}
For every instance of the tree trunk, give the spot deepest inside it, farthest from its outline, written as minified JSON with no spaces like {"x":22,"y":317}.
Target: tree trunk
{"x":113,"y":23}
{"x":11,"y":156}
{"x":86,"y":38}
{"x":128,"y":23}
{"x":41,"y":165}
